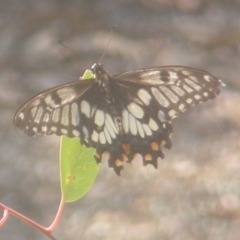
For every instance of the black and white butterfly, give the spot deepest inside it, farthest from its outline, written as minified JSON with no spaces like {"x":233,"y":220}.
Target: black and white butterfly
{"x":122,"y":114}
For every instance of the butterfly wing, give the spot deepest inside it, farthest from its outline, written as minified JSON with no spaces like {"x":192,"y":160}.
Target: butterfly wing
{"x":55,"y":111}
{"x":172,"y":89}
{"x":149,"y":99}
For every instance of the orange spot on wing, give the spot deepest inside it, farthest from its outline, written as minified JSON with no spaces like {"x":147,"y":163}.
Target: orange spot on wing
{"x":163,"y":142}
{"x":154,"y":146}
{"x":148,"y":157}
{"x":118,"y":162}
{"x":124,"y":157}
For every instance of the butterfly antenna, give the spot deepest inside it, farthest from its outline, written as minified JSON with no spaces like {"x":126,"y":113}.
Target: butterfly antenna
{"x":60,"y":42}
{"x":108,"y":43}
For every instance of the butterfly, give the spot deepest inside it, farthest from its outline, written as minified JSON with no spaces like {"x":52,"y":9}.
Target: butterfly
{"x":123,"y":114}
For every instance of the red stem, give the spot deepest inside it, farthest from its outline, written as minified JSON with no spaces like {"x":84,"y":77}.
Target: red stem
{"x":47,"y":231}
{"x":4,"y":218}
{"x":58,"y":216}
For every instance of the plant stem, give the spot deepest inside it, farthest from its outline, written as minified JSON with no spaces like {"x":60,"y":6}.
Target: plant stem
{"x":46,"y":231}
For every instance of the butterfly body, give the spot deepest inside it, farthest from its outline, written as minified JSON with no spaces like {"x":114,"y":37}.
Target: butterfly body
{"x":122,"y":114}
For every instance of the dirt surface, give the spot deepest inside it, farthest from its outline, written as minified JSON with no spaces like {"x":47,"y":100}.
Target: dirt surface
{"x":195,"y":192}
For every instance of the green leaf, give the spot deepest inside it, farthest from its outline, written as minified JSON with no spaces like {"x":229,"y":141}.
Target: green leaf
{"x":78,"y":168}
{"x":87,"y":75}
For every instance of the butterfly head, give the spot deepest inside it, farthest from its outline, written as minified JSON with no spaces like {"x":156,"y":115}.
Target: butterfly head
{"x":100,"y":73}
{"x":97,"y":69}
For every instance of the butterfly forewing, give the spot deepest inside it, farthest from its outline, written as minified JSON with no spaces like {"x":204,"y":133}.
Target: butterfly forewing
{"x":175,"y":89}
{"x":123,"y":114}
{"x":55,"y":111}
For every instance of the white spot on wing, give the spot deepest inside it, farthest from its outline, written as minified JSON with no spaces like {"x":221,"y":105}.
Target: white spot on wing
{"x":144,"y":96}
{"x":94,"y":136}
{"x":33,"y":111}
{"x":66,"y":94}
{"x":135,"y":110}
{"x":171,"y":95}
{"x":187,"y":88}
{"x":36,"y":102}
{"x":125,"y":121}
{"x":189,"y":101}
{"x":93,"y":110}
{"x":132,"y":125}
{"x":74,"y":114}
{"x":75,"y":133}
{"x":177,"y":90}
{"x":107,"y":135}
{"x":85,"y":108}
{"x":173,"y":75}
{"x":102,"y":138}
{"x":147,"y":130}
{"x":148,"y":74}
{"x":172,"y":113}
{"x":152,"y":124}
{"x":53,"y":129}
{"x":109,"y":127}
{"x":192,"y":84}
{"x":64,"y":131}
{"x":161,"y":116}
{"x":85,"y":132}
{"x":38,"y":116}
{"x":65,"y":116}
{"x":181,"y":107}
{"x":193,"y":78}
{"x":50,"y":102}
{"x":159,"y":97}
{"x":44,"y":129}
{"x":152,"y":77}
{"x":207,"y":78}
{"x":110,"y":121}
{"x":21,"y":115}
{"x":185,"y":72}
{"x":46,"y":118}
{"x":140,"y":129}
{"x":55,"y":116}
{"x":197,"y":97}
{"x":99,"y":118}
{"x":205,"y":94}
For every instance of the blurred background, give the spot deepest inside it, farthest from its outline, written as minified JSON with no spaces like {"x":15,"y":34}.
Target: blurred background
{"x":195,"y":192}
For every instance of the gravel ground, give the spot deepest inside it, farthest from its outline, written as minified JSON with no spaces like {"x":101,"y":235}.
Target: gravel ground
{"x":195,"y":192}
